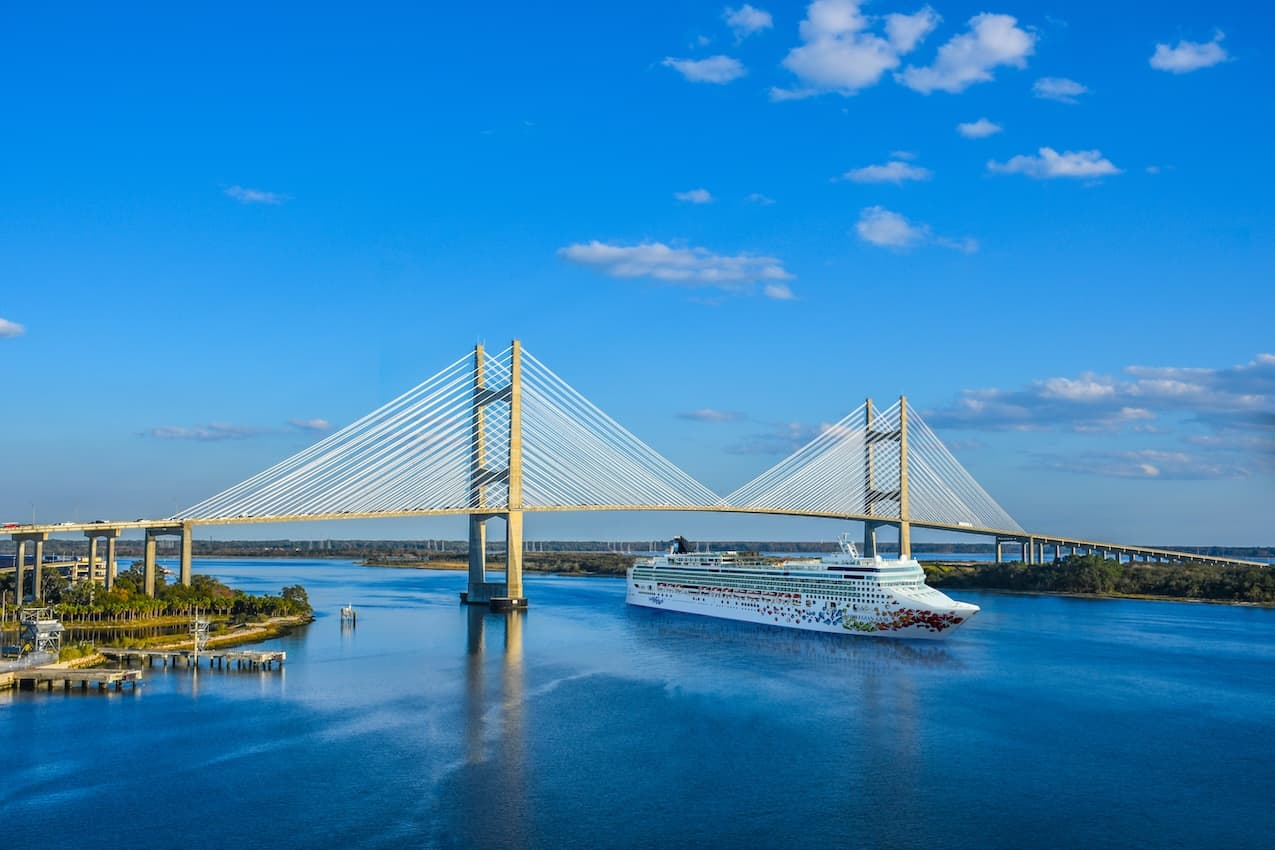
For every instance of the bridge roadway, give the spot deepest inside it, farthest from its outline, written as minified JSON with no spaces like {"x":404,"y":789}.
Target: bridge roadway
{"x":1033,"y":546}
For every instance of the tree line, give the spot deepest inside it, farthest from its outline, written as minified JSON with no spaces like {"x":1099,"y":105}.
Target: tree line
{"x":88,"y":601}
{"x":1098,"y":575}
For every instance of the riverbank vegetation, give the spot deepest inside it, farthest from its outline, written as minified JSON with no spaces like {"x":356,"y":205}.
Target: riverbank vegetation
{"x":1093,"y":574}
{"x":126,"y":603}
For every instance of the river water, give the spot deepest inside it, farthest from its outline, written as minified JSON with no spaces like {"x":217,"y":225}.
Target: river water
{"x":1046,"y":722}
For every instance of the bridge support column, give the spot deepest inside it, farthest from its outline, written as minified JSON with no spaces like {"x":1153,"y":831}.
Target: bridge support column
{"x":20,"y":568}
{"x":1057,"y":551}
{"x":480,"y":591}
{"x":188,"y":540}
{"x":513,"y":596}
{"x":148,"y":560}
{"x":92,"y":556}
{"x":38,"y":577}
{"x":110,"y":563}
{"x":870,"y":538}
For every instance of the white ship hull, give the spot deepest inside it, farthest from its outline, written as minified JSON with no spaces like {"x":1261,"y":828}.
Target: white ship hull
{"x":793,"y":617}
{"x":844,"y":594}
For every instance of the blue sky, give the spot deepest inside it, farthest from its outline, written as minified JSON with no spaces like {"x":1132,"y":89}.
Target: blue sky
{"x":1051,"y":228}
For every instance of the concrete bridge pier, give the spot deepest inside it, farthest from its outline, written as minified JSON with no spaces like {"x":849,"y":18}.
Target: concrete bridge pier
{"x":108,"y":571}
{"x":186,"y":532}
{"x":498,"y":595}
{"x":20,"y":542}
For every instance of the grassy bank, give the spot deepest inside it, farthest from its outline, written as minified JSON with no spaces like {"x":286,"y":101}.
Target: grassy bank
{"x":224,"y":634}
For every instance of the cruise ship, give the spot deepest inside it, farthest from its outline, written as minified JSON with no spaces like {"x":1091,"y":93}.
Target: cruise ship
{"x":844,"y":593}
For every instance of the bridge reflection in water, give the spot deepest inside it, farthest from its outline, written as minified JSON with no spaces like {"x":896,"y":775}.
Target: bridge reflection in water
{"x":493,"y":780}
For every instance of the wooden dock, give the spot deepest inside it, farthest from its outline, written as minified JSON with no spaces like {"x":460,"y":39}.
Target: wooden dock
{"x":222,"y":659}
{"x":34,"y":677}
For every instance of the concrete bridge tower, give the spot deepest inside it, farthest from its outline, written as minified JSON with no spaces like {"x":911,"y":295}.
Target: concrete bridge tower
{"x":507,"y":593}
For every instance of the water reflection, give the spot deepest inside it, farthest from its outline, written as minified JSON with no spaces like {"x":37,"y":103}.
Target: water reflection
{"x":495,"y":746}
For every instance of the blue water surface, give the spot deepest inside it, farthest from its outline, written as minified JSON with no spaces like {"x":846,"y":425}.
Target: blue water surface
{"x":1046,"y":722}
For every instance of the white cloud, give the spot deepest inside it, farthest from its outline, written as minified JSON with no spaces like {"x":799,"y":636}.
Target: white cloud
{"x":310,"y":424}
{"x":778,"y":95}
{"x":209,"y":432}
{"x":746,"y":21}
{"x":1233,"y":404}
{"x":1189,"y":55}
{"x":778,"y":291}
{"x":839,"y":54}
{"x":891,"y":172}
{"x":992,"y":41}
{"x":783,"y":438}
{"x":1143,"y":463}
{"x":980,"y":129}
{"x":907,"y":31}
{"x":244,"y":195}
{"x":1050,"y":163}
{"x":1060,"y":89}
{"x":889,"y":229}
{"x":714,"y":69}
{"x":695,"y":196}
{"x":759,"y":198}
{"x":708,"y":414}
{"x":687,"y":266}
{"x":10,"y":329}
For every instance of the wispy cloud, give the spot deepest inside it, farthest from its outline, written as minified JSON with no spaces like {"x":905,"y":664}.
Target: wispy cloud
{"x":687,"y":266}
{"x":894,"y":171}
{"x":880,"y":226}
{"x":695,"y":196}
{"x":1050,"y":164}
{"x":1060,"y":89}
{"x":310,"y":424}
{"x":708,"y":414}
{"x":1090,"y":401}
{"x":782,"y":438}
{"x":10,"y":329}
{"x":715,"y":69}
{"x":991,"y":42}
{"x":746,"y":21}
{"x":887,"y":229}
{"x":209,"y":432}
{"x":760,"y":199}
{"x":1142,"y":463}
{"x":1189,"y":56}
{"x":980,"y":129}
{"x":778,"y":292}
{"x":840,"y":52}
{"x":244,"y":195}
{"x":1206,"y":422}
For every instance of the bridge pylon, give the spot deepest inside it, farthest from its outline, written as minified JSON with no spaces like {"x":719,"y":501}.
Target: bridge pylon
{"x":508,"y":593}
{"x":894,"y":433}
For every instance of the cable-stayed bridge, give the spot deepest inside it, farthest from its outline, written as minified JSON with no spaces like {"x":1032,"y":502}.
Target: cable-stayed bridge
{"x":501,"y":436}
